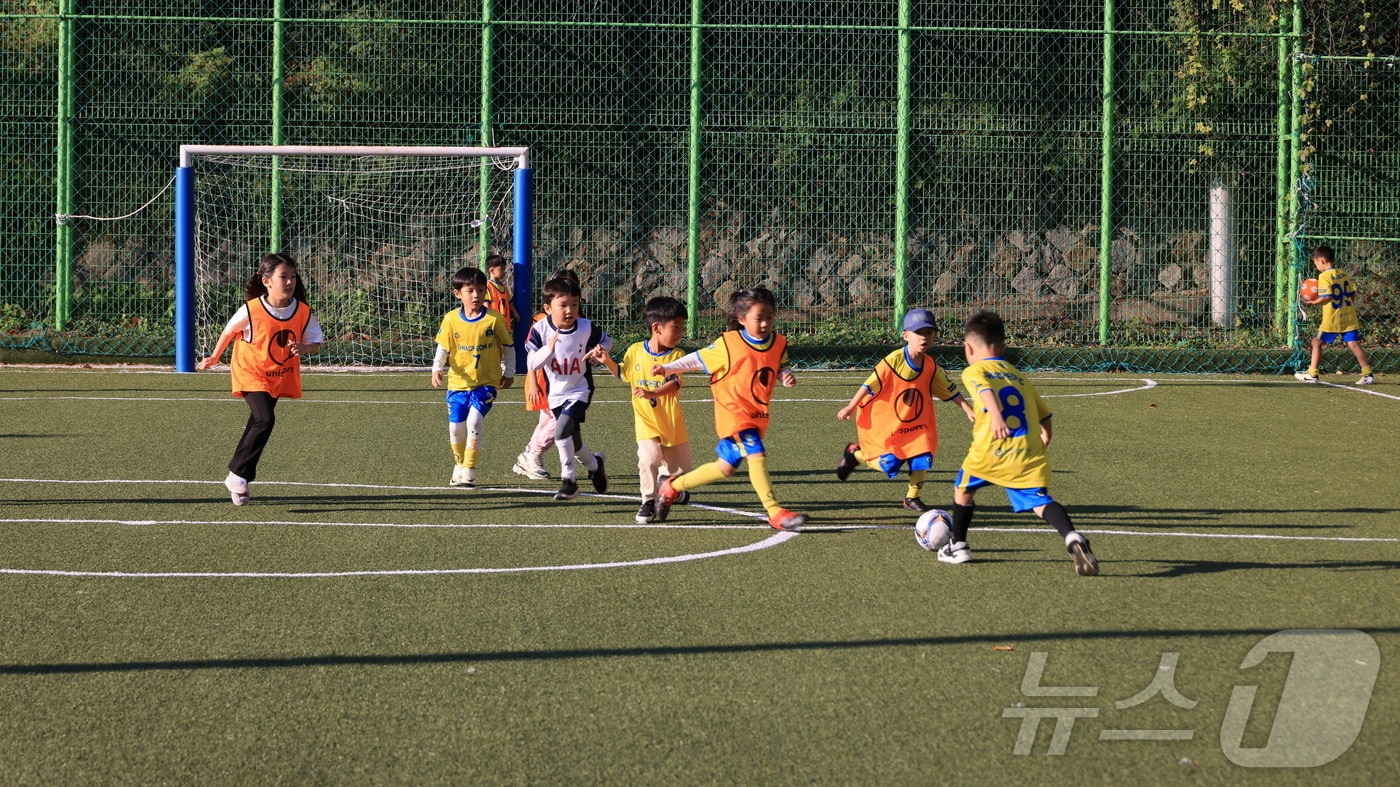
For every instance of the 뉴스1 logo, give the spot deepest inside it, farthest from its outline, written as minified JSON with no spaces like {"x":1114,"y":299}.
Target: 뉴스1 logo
{"x":1320,"y":713}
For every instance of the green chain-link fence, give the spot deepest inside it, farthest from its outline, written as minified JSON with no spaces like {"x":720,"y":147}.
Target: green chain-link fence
{"x":1057,"y":161}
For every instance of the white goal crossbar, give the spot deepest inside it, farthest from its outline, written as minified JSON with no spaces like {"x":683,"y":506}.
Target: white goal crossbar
{"x":185,"y":215}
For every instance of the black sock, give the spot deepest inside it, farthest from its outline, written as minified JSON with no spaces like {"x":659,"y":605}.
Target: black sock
{"x":962,"y":520}
{"x":1057,"y":517}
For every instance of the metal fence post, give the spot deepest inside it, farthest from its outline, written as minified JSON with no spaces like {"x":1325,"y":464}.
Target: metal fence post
{"x":1106,"y":179}
{"x":901,"y":163}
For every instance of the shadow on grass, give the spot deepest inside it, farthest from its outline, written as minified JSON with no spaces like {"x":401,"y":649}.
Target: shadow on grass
{"x":1183,"y":568}
{"x":509,"y":656}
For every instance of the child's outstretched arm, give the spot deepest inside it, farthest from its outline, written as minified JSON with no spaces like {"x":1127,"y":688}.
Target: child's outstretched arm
{"x":687,"y":363}
{"x":1046,"y":430}
{"x":671,"y":387}
{"x":845,"y":413}
{"x":993,"y":408}
{"x":219,"y":349}
{"x":967,"y":408}
{"x":234,"y":328}
{"x":602,"y":357}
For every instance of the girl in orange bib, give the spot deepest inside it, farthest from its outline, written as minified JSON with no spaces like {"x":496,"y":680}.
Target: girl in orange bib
{"x":745,"y":365}
{"x":269,"y":332}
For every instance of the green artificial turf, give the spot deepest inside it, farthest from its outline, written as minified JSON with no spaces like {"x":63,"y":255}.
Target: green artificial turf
{"x":358,"y":623}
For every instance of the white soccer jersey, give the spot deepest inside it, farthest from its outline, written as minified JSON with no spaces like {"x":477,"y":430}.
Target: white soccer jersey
{"x":570,"y":377}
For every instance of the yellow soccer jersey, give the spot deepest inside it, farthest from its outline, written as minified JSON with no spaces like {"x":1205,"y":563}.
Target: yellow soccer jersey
{"x":940,"y":386}
{"x":474,"y":348}
{"x":655,"y":419}
{"x":1339,"y":311}
{"x":1019,"y":461}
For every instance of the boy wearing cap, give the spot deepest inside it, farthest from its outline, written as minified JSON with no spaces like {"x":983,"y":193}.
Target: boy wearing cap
{"x":895,"y":422}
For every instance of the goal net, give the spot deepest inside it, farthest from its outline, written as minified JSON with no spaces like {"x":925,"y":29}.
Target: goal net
{"x":376,"y":232}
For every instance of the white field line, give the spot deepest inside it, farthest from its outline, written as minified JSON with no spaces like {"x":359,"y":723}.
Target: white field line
{"x":1357,"y":388}
{"x":1186,"y":534}
{"x":391,"y":525}
{"x":773,"y":540}
{"x":1147,"y":385}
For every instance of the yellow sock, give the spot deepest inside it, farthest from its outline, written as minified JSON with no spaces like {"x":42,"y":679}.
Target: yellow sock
{"x":1312,"y":371}
{"x":758,"y":476}
{"x":859,"y":455}
{"x":468,"y":457}
{"x":459,"y":451}
{"x":700,"y":476}
{"x":916,"y":483}
{"x":1365,"y":371}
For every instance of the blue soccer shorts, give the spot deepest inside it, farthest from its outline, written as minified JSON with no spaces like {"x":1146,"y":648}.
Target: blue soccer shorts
{"x":1021,"y":499}
{"x":1331,"y":338}
{"x":732,"y":450}
{"x":479,"y":398}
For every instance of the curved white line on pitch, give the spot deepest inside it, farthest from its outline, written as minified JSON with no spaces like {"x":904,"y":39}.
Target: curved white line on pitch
{"x":770,"y":541}
{"x":1147,"y":385}
{"x":773,"y":540}
{"x":391,"y":525}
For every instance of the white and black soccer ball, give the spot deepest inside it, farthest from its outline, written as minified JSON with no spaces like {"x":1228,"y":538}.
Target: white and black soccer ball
{"x":933,"y":529}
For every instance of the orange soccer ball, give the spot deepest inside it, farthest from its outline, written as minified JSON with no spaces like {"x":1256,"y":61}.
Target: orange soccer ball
{"x":1308,"y":291}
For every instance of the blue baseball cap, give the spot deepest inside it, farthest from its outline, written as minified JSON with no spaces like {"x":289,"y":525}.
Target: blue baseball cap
{"x":919,"y":319}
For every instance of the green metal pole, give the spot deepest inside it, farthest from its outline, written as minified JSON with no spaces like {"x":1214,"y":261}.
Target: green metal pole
{"x":901,"y":163}
{"x":63,"y":173}
{"x":692,"y":284}
{"x":279,"y":78}
{"x":1283,"y":303}
{"x":1106,"y":178}
{"x":1295,"y":144}
{"x":488,"y":67}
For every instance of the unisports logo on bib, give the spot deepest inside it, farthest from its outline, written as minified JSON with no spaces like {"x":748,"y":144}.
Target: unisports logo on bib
{"x":762,"y":384}
{"x":279,"y":350}
{"x":909,"y":406}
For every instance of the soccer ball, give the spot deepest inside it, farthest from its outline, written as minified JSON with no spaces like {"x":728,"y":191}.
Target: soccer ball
{"x":1308,"y":290}
{"x":933,"y":529}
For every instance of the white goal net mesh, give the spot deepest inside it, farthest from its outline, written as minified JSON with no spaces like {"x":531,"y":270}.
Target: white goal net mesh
{"x":376,"y":240}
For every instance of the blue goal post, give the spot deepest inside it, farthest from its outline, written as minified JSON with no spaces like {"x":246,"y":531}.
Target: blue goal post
{"x":185,"y":214}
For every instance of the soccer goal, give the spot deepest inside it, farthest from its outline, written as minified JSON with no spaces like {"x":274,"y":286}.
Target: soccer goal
{"x":377,"y":233}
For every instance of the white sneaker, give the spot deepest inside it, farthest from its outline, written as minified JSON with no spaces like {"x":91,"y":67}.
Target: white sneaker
{"x":1304,"y":377}
{"x":529,"y":465}
{"x":460,"y":476}
{"x":955,"y":552}
{"x":469,"y":477}
{"x":1369,"y":379}
{"x":237,"y":488}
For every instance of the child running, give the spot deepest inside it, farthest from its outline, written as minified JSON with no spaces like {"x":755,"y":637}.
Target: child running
{"x":530,"y":462}
{"x":663,"y":446}
{"x":745,"y":364}
{"x":896,"y":423}
{"x":270,"y":332}
{"x":1009,"y":437}
{"x":474,"y":349}
{"x":559,"y":343}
